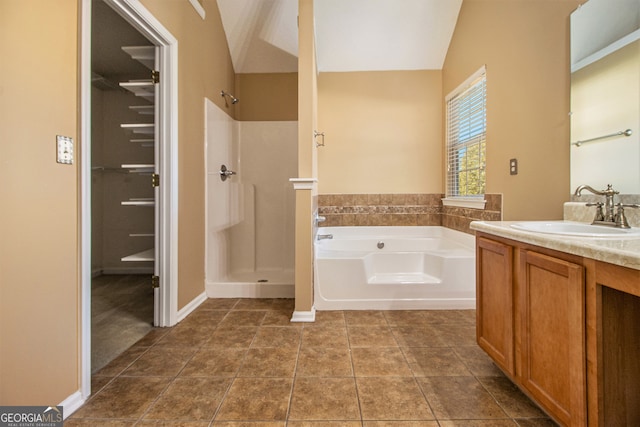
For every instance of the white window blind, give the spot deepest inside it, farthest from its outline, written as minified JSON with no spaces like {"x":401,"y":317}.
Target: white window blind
{"x":466,"y":138}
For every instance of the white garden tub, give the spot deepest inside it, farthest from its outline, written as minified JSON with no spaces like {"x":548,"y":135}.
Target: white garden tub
{"x":394,"y":268}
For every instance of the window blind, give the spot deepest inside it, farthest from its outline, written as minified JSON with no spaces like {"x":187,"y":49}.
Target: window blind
{"x":466,"y":138}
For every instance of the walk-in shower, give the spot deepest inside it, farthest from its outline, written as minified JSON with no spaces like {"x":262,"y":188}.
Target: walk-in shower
{"x":250,"y":205}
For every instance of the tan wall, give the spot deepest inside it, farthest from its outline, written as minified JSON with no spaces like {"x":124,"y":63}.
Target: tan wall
{"x":525,"y":46}
{"x":204,"y":69}
{"x":383,"y":132}
{"x":39,"y":285}
{"x":39,"y":268}
{"x":267,"y":97}
{"x":307,"y":100}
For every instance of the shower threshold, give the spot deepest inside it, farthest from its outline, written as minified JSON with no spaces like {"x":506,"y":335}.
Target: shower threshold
{"x":253,"y":284}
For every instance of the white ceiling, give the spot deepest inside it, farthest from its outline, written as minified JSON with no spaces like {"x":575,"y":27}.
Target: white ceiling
{"x":351,"y":35}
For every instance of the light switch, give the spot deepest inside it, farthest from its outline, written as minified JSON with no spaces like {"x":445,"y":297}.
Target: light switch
{"x":65,"y":149}
{"x":513,"y":166}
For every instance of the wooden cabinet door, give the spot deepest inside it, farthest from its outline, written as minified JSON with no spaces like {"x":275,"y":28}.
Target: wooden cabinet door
{"x":494,"y":301}
{"x":552,"y":312}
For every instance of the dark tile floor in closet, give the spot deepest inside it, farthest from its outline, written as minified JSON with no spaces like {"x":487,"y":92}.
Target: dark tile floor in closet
{"x":121,"y":314}
{"x":240,"y":362}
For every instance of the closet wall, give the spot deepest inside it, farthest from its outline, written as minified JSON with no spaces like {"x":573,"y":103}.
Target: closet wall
{"x":122,"y":147}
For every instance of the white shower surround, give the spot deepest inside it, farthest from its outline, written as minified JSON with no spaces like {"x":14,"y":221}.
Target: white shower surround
{"x":249,"y":245}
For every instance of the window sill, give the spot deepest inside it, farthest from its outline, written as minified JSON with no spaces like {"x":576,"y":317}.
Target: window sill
{"x":461,"y":202}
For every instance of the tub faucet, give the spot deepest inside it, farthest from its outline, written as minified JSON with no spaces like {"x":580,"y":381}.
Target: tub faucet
{"x":325,"y":236}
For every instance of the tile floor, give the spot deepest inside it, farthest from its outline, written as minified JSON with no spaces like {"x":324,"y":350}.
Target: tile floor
{"x":121,"y":314}
{"x":240,"y":362}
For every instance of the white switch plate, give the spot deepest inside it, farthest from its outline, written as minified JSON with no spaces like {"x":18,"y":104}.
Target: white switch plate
{"x":65,"y":149}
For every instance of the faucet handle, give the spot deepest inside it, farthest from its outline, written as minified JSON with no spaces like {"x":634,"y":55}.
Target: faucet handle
{"x":599,"y":213}
{"x":621,"y":218}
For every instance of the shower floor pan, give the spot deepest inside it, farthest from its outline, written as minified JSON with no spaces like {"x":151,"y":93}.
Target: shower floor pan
{"x":254,"y":284}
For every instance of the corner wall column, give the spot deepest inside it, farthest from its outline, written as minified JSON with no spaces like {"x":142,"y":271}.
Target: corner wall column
{"x":304,"y":309}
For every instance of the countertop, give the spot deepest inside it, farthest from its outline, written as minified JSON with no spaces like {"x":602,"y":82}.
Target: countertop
{"x":619,"y":251}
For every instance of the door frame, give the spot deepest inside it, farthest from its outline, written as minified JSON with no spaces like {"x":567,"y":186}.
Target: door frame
{"x":166,"y":296}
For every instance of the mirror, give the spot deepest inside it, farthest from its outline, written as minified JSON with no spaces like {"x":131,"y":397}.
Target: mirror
{"x":605,"y":95}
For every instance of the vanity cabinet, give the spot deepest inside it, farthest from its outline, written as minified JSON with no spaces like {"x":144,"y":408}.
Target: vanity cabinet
{"x":531,"y":322}
{"x":494,"y":299}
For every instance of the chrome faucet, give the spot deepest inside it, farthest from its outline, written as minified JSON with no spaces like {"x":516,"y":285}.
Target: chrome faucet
{"x":609,"y":216}
{"x":324,"y":236}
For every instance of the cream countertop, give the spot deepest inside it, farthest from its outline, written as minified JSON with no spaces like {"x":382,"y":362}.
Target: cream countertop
{"x":619,"y":251}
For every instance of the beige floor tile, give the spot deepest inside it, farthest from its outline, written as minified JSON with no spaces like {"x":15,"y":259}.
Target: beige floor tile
{"x":204,"y":319}
{"x":510,"y":398}
{"x":371,"y":336}
{"x":186,"y":336}
{"x":237,"y":318}
{"x":277,"y":336}
{"x":459,"y":398}
{"x":477,"y":361}
{"x":404,"y":317}
{"x":535,"y":422}
{"x":456,"y":334}
{"x":325,"y":318}
{"x":94,"y":422}
{"x":324,"y":399}
{"x":256,"y":399}
{"x":269,"y":362}
{"x":280,"y":318}
{"x":232,"y":337}
{"x":324,"y":362}
{"x":479,"y":423}
{"x":418,"y":336}
{"x":324,"y":424}
{"x":397,"y":398}
{"x":365,"y":318}
{"x":248,"y":424}
{"x":161,"y":362}
{"x":434,"y":361}
{"x":190,"y":399}
{"x":173,"y":423}
{"x":215,"y":362}
{"x":124,"y":398}
{"x":325,"y":336}
{"x":403,"y":423}
{"x":256,"y":304}
{"x":218,"y":304}
{"x":379,"y":362}
{"x":122,"y":362}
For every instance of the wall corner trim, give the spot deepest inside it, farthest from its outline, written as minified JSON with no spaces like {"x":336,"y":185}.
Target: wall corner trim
{"x":303,"y":183}
{"x":304,"y":316}
{"x":198,"y":7}
{"x":192,"y":305}
{"x":72,"y":403}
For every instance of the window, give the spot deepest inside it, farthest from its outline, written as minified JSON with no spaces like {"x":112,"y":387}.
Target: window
{"x":466,"y":142}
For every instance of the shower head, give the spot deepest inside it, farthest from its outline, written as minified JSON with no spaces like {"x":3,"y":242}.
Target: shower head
{"x":233,"y":99}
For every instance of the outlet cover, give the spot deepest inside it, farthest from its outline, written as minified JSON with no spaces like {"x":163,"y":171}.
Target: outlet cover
{"x":65,"y":149}
{"x":513,"y":166}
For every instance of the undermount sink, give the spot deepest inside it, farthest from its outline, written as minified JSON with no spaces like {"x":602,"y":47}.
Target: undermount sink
{"x":569,"y":228}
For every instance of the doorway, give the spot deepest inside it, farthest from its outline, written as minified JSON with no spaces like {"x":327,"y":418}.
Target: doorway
{"x":147,"y":246}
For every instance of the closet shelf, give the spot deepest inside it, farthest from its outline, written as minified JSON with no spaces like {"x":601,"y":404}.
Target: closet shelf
{"x":147,"y":110}
{"x":139,"y":128}
{"x":139,"y":168}
{"x":141,"y":201}
{"x":146,"y":55}
{"x":148,"y":255}
{"x":142,"y":88}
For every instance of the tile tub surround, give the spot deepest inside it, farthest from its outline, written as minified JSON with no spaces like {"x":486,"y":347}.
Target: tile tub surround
{"x":240,"y":362}
{"x":402,"y":209}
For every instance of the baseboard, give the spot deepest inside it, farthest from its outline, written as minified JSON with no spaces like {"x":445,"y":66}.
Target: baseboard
{"x":191,"y":306}
{"x":304,"y":316}
{"x":249,"y":290}
{"x":71,"y":404}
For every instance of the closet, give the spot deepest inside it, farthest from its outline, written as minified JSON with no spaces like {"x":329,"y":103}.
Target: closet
{"x":124,"y":184}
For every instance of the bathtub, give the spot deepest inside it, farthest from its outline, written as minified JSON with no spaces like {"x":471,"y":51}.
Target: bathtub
{"x":394,"y":268}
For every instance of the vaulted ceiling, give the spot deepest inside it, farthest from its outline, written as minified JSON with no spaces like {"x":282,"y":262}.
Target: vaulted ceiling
{"x":351,"y":35}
